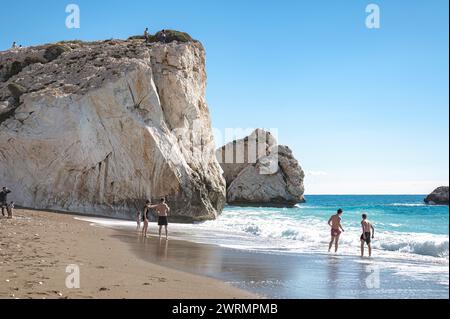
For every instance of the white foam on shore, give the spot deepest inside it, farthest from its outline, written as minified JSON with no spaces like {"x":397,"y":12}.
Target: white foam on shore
{"x":419,"y":255}
{"x":250,"y":231}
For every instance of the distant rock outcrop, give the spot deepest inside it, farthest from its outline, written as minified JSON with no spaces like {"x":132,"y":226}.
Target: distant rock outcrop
{"x":259,"y":172}
{"x":438,"y":197}
{"x":98,"y":127}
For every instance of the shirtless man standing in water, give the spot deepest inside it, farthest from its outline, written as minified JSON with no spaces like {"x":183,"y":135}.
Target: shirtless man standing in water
{"x":367,"y":231}
{"x":162,"y":209}
{"x":336,"y":228}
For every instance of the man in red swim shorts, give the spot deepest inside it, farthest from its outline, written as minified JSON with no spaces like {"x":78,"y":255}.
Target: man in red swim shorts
{"x":336,"y":228}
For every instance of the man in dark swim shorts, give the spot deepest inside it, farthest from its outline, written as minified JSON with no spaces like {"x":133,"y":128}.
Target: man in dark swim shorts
{"x":162,"y":209}
{"x":162,"y":221}
{"x":367,"y":231}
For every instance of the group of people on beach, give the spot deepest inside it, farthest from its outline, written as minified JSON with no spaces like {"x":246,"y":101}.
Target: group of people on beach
{"x":9,"y":207}
{"x":368,"y":232}
{"x":162,"y":211}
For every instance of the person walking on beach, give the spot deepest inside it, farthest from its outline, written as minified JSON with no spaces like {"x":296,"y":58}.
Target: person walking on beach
{"x":10,"y":210}
{"x":145,"y":217}
{"x":4,"y":200}
{"x":138,"y":220}
{"x":335,"y":223}
{"x":162,"y":209}
{"x":367,"y":231}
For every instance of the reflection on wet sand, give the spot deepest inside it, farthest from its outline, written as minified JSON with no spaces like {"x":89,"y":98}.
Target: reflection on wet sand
{"x":270,"y":274}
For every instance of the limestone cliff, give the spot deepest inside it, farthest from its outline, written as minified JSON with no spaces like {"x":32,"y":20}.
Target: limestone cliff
{"x":96,"y":128}
{"x":258,"y":171}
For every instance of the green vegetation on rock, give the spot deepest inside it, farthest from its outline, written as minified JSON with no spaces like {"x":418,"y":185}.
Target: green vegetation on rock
{"x":53,"y":51}
{"x":16,"y":90}
{"x":171,"y":35}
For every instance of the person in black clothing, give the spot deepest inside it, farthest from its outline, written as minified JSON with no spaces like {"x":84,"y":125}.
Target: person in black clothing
{"x":145,"y":217}
{"x":3,"y":199}
{"x":163,"y":36}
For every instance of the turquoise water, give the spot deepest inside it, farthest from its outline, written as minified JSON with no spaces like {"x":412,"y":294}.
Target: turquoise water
{"x":403,"y":225}
{"x":283,"y":252}
{"x":401,"y":213}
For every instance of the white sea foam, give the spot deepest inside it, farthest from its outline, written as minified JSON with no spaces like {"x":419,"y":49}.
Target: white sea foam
{"x":313,"y":235}
{"x":424,"y":256}
{"x":254,"y":230}
{"x":408,"y":204}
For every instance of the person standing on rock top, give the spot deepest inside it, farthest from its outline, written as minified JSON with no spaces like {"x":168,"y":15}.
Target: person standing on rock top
{"x":14,"y":45}
{"x":163,"y":36}
{"x":146,"y":35}
{"x":3,"y":199}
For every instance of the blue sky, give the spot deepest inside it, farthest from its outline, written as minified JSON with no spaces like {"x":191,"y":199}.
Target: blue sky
{"x":364,"y":110}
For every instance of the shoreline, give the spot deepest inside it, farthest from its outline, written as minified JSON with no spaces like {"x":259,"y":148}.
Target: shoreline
{"x":204,"y":249}
{"x":37,"y":246}
{"x":116,"y":262}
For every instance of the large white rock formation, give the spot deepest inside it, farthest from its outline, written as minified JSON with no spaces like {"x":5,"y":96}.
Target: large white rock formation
{"x":259,"y":172}
{"x":96,"y":128}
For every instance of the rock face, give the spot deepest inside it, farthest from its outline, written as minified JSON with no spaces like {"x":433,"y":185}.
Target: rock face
{"x":96,"y":128}
{"x":438,"y":197}
{"x":260,"y":172}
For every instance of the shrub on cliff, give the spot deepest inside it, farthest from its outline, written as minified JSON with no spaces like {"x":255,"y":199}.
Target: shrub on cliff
{"x":16,"y":90}
{"x":14,"y":69}
{"x":17,"y":66}
{"x":171,"y":35}
{"x":53,"y":51}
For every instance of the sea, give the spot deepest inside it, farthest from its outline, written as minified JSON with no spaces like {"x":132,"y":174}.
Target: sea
{"x":283,"y":252}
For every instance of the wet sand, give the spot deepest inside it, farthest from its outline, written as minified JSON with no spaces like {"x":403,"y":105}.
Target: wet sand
{"x":116,"y":262}
{"x":36,"y":247}
{"x":293,"y":276}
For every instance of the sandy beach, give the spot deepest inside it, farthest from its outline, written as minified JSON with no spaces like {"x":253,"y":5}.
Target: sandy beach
{"x":37,"y":246}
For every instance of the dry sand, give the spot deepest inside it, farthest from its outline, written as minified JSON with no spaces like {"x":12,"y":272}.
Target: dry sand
{"x":36,"y":247}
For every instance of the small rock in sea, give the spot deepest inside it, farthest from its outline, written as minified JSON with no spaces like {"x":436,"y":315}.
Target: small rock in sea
{"x":103,"y":289}
{"x":146,"y":284}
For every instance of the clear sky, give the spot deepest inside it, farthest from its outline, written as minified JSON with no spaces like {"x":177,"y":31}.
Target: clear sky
{"x":364,"y":110}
